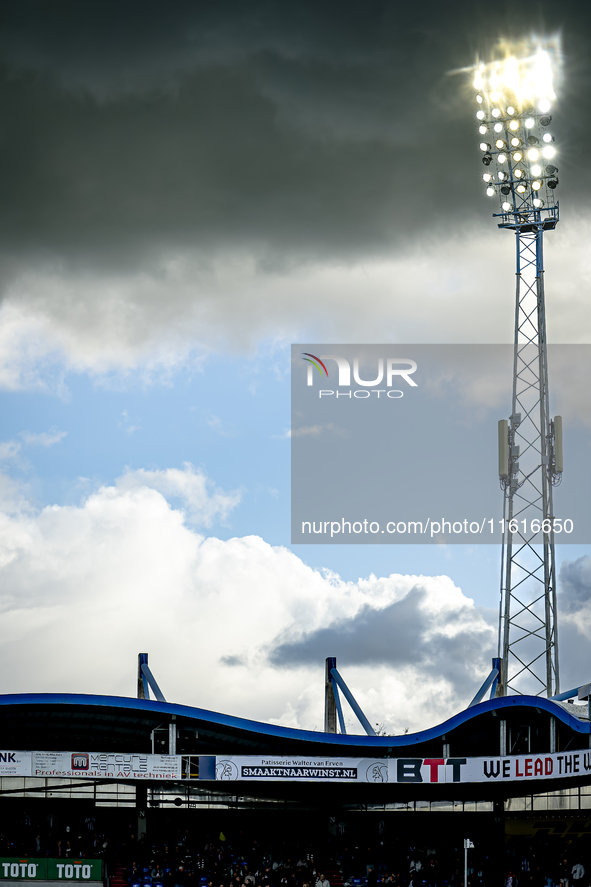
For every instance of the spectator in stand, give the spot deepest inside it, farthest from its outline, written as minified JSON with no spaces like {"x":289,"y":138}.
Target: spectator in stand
{"x":133,"y":873}
{"x":322,"y":881}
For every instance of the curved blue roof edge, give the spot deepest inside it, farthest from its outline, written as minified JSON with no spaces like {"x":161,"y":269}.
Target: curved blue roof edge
{"x":353,"y":739}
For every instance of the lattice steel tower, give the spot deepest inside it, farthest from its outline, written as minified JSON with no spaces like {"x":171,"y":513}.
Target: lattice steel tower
{"x":514,"y":99}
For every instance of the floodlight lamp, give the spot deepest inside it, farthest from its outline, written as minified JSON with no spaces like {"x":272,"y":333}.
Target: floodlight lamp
{"x":546,"y":121}
{"x":536,"y":185}
{"x":532,"y":140}
{"x":522,"y":76}
{"x":547,"y":137}
{"x":505,"y":189}
{"x":481,"y":115}
{"x":498,"y":127}
{"x":479,"y":99}
{"x":486,"y":176}
{"x":538,"y":202}
{"x":522,"y":188}
{"x":519,"y":173}
{"x":490,"y":192}
{"x":550,"y":169}
{"x":487,"y":159}
{"x":495,"y":112}
{"x":553,"y":182}
{"x":533,"y":154}
{"x":482,"y":129}
{"x":514,"y":125}
{"x":500,"y":143}
{"x":506,"y":206}
{"x":536,"y":170}
{"x":515,"y":142}
{"x":529,"y":123}
{"x":484,"y":146}
{"x":548,"y":152}
{"x":517,"y":156}
{"x":501,"y":175}
{"x":502,"y":158}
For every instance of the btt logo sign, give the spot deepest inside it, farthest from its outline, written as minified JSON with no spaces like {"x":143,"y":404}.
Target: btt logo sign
{"x":388,"y":370}
{"x":79,"y":761}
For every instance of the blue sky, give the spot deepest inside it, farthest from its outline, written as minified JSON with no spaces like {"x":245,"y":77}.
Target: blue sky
{"x":229,"y":416}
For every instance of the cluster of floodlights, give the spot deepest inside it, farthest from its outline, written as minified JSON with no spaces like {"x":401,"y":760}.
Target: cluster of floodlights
{"x":517,"y":146}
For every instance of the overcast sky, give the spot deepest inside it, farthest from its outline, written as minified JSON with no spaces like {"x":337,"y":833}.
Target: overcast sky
{"x":187,"y":189}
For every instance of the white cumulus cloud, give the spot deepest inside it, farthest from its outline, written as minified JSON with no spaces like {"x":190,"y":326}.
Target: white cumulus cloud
{"x":86,"y":587}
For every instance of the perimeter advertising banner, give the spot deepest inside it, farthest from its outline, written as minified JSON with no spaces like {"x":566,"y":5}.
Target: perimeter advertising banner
{"x":93,"y":765}
{"x":97,"y":765}
{"x":404,"y":770}
{"x":14,"y":868}
{"x":15,"y":763}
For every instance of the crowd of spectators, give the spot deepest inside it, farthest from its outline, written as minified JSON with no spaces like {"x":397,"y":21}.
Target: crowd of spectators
{"x":191,"y":858}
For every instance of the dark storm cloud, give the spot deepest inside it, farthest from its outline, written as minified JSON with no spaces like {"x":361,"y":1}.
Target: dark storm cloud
{"x":405,"y":633}
{"x":575,"y":584}
{"x":311,"y":130}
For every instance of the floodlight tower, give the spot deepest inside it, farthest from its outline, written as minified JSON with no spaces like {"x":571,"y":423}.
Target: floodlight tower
{"x":514,"y":98}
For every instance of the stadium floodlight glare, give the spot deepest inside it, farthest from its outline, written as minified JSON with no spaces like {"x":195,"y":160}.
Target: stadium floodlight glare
{"x":515,"y":95}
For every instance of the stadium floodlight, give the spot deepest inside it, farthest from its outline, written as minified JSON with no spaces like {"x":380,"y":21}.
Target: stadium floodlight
{"x":515,"y":95}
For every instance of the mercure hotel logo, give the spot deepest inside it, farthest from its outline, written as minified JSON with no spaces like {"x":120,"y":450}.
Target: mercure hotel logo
{"x":389,"y":370}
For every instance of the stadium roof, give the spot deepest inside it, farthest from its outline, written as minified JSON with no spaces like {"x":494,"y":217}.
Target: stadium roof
{"x":60,"y":721}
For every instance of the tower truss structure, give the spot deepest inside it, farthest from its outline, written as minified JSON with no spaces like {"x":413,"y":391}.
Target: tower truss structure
{"x":518,"y":153}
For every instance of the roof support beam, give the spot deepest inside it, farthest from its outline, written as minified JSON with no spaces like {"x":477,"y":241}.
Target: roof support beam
{"x":146,"y":680}
{"x":353,"y":703}
{"x":488,"y":683}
